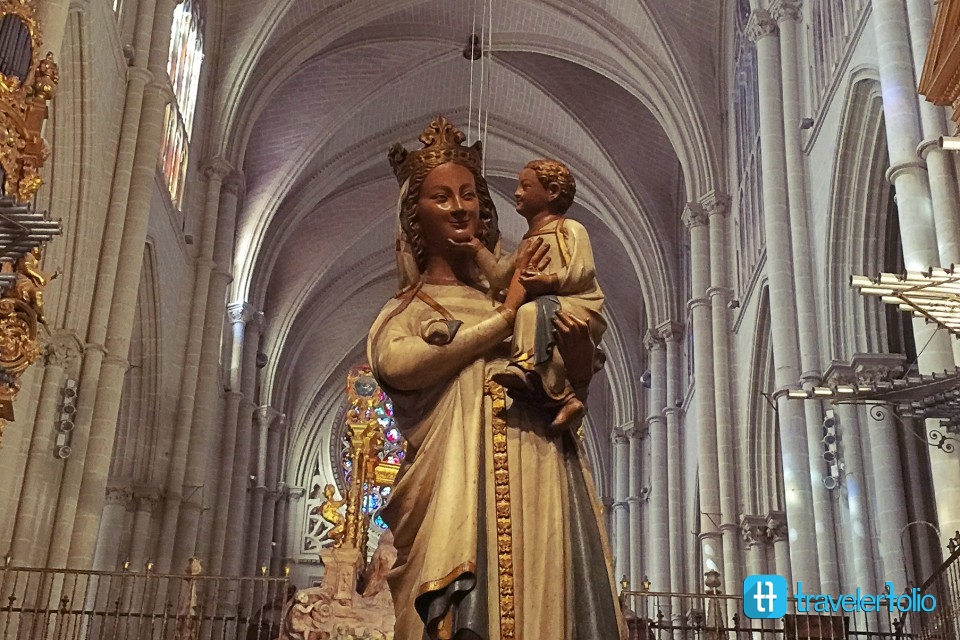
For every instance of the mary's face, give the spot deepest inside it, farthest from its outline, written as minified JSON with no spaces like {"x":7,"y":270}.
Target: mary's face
{"x":448,"y":207}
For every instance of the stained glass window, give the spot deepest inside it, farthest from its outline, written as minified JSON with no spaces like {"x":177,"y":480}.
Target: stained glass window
{"x":365,"y":402}
{"x":391,"y":452}
{"x":183,"y":65}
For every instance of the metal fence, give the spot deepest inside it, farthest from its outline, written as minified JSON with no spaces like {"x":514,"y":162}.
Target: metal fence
{"x":51,"y":604}
{"x":663,"y":616}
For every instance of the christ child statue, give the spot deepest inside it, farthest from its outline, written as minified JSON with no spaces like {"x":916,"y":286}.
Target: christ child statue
{"x":567,"y":285}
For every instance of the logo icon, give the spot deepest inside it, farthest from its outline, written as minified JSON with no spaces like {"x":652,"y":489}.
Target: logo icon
{"x":764,"y":597}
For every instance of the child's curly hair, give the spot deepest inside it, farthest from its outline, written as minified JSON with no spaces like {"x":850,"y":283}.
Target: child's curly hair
{"x":549,"y":171}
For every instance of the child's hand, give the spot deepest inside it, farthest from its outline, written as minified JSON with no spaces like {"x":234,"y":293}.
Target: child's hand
{"x":538,"y":283}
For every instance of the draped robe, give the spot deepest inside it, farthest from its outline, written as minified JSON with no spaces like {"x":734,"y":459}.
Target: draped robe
{"x":497,"y":525}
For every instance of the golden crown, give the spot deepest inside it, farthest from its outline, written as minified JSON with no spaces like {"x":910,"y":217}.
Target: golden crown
{"x":442,"y":143}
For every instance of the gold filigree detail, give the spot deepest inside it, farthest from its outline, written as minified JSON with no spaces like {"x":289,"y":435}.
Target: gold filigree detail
{"x":23,"y":109}
{"x":501,"y":482}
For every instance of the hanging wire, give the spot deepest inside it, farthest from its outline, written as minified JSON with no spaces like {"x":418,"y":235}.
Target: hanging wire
{"x":473,"y":60}
{"x":489,"y":65}
{"x":483,"y":69}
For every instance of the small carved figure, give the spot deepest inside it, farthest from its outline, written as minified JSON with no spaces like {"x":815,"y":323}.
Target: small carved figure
{"x":31,"y":281}
{"x":186,"y":628}
{"x":46,"y":78}
{"x":380,"y":564}
{"x":330,"y":511}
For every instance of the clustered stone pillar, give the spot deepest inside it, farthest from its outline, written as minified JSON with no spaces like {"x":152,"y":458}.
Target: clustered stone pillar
{"x":184,"y":500}
{"x":788,"y":15}
{"x":121,"y":257}
{"x":621,"y":521}
{"x":265,"y":417}
{"x":658,"y":546}
{"x":672,"y":334}
{"x":696,"y":219}
{"x":635,"y":436}
{"x":720,"y":296}
{"x":268,"y":538}
{"x":34,"y":521}
{"x":916,"y":215}
{"x":762,"y":30}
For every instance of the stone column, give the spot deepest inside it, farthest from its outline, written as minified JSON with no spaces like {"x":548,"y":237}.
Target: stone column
{"x":696,"y":219}
{"x":635,"y":436}
{"x":34,"y":521}
{"x":917,"y":221}
{"x":280,"y":552}
{"x":855,"y":493}
{"x":658,"y":546}
{"x":941,"y":171}
{"x":762,"y":30}
{"x":672,"y":334}
{"x":112,"y":524}
{"x":621,"y":520}
{"x":185,"y":499}
{"x":264,"y":419}
{"x":239,"y":314}
{"x":113,"y":234}
{"x":779,"y":535}
{"x":210,"y":397}
{"x":147,"y":501}
{"x":52,"y":17}
{"x":238,"y":514}
{"x":96,"y":463}
{"x":755,"y":535}
{"x":268,"y":522}
{"x":789,"y":14}
{"x":721,"y":294}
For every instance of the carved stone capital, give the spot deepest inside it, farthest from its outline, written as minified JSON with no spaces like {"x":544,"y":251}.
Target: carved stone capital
{"x":63,"y":350}
{"x":618,"y":436}
{"x":716,"y":204}
{"x":147,"y":498}
{"x":754,"y":530}
{"x":777,"y":526}
{"x":652,"y":341}
{"x":638,"y":431}
{"x":216,"y":168}
{"x":234,"y":184}
{"x":761,"y":25}
{"x":266,"y":415}
{"x":118,"y":495}
{"x":839,"y":372}
{"x":670,"y":331}
{"x":783,"y":10}
{"x":694,"y":303}
{"x":242,"y":312}
{"x":695,"y":215}
{"x":876,"y":367}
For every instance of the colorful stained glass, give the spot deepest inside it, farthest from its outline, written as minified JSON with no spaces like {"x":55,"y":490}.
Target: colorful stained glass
{"x":391,"y":449}
{"x":183,"y":65}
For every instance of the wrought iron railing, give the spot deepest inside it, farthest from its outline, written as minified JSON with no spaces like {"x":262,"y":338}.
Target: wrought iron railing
{"x":52,"y":604}
{"x":944,"y":585}
{"x":663,"y":616}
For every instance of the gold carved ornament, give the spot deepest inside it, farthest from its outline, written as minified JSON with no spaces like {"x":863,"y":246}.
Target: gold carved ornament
{"x":501,"y":483}
{"x":27,"y":82}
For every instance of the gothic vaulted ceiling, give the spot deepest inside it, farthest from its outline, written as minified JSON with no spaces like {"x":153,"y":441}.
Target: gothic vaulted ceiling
{"x":624,"y":91}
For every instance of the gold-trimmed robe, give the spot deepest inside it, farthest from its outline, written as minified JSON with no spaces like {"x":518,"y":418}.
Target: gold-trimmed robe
{"x":443,"y":508}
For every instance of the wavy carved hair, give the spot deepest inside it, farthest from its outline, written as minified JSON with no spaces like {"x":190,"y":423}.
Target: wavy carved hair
{"x":550,"y":171}
{"x":488,"y":230}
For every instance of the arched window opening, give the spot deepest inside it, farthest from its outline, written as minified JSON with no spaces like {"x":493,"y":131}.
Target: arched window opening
{"x":746,"y":124}
{"x":183,"y":65}
{"x":366,"y":402}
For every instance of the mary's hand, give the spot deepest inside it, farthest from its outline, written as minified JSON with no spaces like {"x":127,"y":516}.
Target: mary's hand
{"x":576,"y":348}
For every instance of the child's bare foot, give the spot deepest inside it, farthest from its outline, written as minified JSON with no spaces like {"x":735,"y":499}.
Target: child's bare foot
{"x":570,"y":413}
{"x":512,"y":377}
